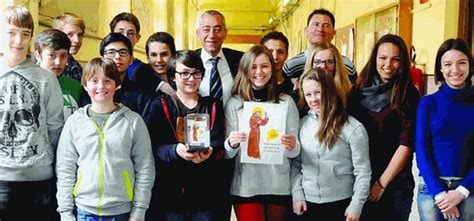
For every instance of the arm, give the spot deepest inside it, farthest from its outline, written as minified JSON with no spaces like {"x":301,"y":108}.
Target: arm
{"x":424,"y":158}
{"x":232,"y":122}
{"x":161,"y":133}
{"x":359,"y":145}
{"x":54,"y":111}
{"x":297,"y":192}
{"x":292,"y":125}
{"x":66,"y":172}
{"x":397,"y":163}
{"x":144,"y":166}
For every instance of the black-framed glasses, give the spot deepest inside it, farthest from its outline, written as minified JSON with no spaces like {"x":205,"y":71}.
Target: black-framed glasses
{"x":110,"y":53}
{"x":328,"y":62}
{"x":187,"y":75}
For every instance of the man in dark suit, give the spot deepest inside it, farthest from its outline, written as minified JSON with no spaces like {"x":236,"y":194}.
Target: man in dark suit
{"x":212,"y":32}
{"x":220,"y":63}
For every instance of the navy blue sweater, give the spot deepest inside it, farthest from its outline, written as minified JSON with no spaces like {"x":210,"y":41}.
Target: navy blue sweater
{"x":445,"y":137}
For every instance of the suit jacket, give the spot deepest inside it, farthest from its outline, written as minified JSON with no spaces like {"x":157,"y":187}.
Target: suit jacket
{"x":233,"y":59}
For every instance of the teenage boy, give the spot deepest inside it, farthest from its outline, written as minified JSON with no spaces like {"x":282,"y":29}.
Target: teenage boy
{"x":52,"y":52}
{"x":73,"y":26}
{"x":119,"y":49}
{"x":319,"y":28}
{"x":105,"y":165}
{"x":31,"y":114}
{"x":278,"y":44}
{"x":128,"y":25}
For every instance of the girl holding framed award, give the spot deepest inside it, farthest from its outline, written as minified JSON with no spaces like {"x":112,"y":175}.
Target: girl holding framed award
{"x":260,"y":191}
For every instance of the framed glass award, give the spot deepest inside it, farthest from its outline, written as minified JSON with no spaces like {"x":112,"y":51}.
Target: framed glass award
{"x":198,"y":135}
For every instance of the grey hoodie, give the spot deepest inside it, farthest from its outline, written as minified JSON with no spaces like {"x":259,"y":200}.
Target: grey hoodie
{"x":322,"y":175}
{"x":105,"y":171}
{"x":31,"y":118}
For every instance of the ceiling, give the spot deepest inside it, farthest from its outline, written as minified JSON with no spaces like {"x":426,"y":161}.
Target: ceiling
{"x":249,"y":16}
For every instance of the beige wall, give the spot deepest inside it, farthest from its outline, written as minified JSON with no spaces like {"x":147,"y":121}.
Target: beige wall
{"x":432,"y":23}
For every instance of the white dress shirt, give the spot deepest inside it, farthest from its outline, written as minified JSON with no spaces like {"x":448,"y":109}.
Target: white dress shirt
{"x":224,"y":72}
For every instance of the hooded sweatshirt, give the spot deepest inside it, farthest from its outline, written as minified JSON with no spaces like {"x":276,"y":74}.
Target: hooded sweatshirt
{"x":106,"y":170}
{"x":31,"y":118}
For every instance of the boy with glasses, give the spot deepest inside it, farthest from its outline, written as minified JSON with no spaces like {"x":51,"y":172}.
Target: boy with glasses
{"x":118,"y":48}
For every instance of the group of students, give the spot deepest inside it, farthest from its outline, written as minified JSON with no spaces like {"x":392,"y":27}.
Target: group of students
{"x":120,"y":155}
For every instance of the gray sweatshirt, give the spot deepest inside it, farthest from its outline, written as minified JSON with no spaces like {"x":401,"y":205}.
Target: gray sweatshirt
{"x":31,"y":119}
{"x":105,"y":170}
{"x":322,"y":175}
{"x":260,"y":179}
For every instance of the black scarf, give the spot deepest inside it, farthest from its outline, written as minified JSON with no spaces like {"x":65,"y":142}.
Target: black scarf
{"x":260,"y":95}
{"x":376,"y":96}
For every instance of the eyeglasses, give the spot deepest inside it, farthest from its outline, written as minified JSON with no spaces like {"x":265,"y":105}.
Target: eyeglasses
{"x":329,"y":62}
{"x":110,"y":53}
{"x":187,"y":75}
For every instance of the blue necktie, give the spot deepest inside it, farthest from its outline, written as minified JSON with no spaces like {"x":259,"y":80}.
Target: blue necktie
{"x":215,"y":90}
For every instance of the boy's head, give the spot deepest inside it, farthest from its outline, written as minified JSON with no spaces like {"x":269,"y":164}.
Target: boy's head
{"x":117,"y":47}
{"x":74,"y":28}
{"x":101,"y":79}
{"x":277,"y":43}
{"x":52,"y":50}
{"x":128,"y":25}
{"x":19,"y":26}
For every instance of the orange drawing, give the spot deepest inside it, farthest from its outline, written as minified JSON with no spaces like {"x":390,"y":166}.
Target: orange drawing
{"x":259,"y":118}
{"x":195,"y":130}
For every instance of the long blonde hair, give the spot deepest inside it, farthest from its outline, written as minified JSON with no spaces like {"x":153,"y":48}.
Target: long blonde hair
{"x":332,"y":114}
{"x":242,"y":84}
{"x":341,"y":77}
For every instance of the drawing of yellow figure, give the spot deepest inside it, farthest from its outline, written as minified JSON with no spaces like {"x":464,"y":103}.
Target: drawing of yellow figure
{"x":272,"y":134}
{"x":259,"y":118}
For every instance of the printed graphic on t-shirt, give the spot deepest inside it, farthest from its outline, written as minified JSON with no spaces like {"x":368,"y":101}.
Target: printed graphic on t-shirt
{"x":69,"y":105}
{"x":19,"y":113}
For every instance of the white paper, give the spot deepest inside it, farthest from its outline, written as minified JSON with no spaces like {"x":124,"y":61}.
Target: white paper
{"x":264,"y":124}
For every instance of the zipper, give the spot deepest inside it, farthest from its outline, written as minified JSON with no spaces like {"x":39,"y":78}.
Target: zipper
{"x":101,"y":168}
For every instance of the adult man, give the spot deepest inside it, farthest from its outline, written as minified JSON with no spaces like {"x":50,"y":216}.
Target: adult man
{"x":221,"y":67}
{"x":319,"y":28}
{"x":212,"y":31}
{"x":73,"y":26}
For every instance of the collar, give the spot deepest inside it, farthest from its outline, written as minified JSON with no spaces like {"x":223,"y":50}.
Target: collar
{"x":205,"y":56}
{"x":313,"y":114}
{"x":307,"y":53}
{"x":72,"y":62}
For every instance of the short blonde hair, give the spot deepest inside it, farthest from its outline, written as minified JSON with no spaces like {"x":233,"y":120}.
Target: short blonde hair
{"x":19,"y":16}
{"x":68,"y":18}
